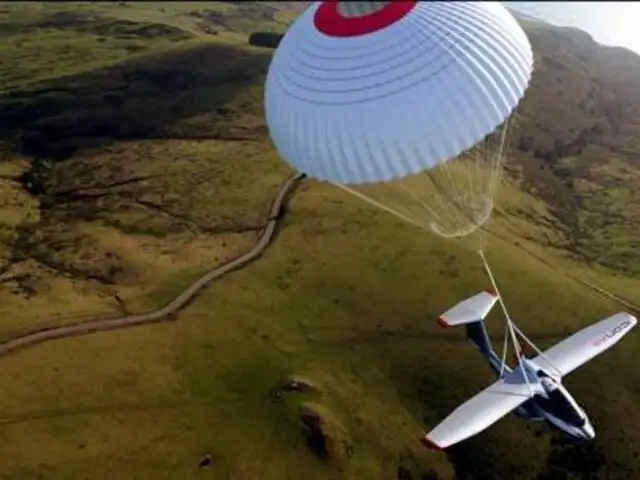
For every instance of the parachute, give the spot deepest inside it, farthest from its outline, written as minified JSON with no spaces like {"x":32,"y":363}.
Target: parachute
{"x":405,"y":104}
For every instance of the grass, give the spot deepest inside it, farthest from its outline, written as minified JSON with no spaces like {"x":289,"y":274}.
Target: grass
{"x":110,"y":193}
{"x":354,"y":317}
{"x":192,"y":211}
{"x":45,"y":46}
{"x":45,"y":41}
{"x":611,"y":215}
{"x":125,"y":178}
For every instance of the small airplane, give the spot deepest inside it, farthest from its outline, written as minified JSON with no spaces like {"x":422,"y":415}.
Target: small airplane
{"x":533,"y":389}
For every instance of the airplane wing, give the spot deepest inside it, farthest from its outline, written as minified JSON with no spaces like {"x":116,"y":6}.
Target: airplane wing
{"x":586,"y":344}
{"x":478,"y":413}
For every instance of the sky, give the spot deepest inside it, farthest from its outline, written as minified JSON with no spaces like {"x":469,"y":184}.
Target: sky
{"x":609,"y":23}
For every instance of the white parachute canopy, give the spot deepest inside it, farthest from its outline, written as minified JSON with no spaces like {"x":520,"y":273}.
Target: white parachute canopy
{"x":405,"y":104}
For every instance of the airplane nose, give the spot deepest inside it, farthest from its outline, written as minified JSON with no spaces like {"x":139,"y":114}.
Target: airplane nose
{"x":588,"y":431}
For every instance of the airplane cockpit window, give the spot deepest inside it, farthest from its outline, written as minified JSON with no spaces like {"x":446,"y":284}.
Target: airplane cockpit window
{"x":548,"y":384}
{"x":558,"y":406}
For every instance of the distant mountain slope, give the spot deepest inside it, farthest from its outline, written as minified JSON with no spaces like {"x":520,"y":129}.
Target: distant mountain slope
{"x":523,"y":17}
{"x":576,"y":141}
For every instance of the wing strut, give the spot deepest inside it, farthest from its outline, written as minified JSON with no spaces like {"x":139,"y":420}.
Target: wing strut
{"x":538,"y":351}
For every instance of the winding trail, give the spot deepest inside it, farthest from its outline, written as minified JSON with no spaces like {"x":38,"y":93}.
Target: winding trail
{"x":168,"y":312}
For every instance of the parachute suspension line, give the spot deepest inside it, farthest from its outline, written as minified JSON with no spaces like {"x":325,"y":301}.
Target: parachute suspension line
{"x":496,"y":156}
{"x":461,"y":196}
{"x":496,"y":160}
{"x":479,"y":169}
{"x":511,"y":327}
{"x":414,"y":188}
{"x":417,"y":198}
{"x":453,"y":215}
{"x":393,"y":211}
{"x":490,"y":151}
{"x":470,"y":164}
{"x":475,"y":179}
{"x":414,"y":191}
{"x":444,"y":169}
{"x":493,"y":154}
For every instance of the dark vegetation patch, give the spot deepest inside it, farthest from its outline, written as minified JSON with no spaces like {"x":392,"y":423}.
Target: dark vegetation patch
{"x":9,"y":29}
{"x":569,"y":459}
{"x":241,"y":19}
{"x":143,"y":98}
{"x":153,"y":97}
{"x":110,"y":27}
{"x":265,"y":39}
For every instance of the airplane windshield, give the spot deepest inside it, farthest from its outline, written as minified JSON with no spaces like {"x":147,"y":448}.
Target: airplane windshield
{"x":558,"y":406}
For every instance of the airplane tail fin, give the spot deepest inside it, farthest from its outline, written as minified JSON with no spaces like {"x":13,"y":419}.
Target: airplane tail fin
{"x":471,"y":313}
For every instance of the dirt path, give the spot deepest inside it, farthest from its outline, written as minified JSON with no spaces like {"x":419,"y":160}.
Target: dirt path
{"x":168,"y":312}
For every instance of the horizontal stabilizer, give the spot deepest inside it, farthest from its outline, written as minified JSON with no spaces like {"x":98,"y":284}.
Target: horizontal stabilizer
{"x":473,"y":309}
{"x":579,"y":348}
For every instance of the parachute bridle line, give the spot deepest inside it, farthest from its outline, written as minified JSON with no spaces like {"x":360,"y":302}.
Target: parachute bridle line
{"x":512,"y":330}
{"x":510,"y":326}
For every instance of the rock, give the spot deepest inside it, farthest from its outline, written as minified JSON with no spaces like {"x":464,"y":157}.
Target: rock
{"x":313,"y":432}
{"x":299,"y":385}
{"x":292,"y":385}
{"x":206,"y":461}
{"x":325,"y":437}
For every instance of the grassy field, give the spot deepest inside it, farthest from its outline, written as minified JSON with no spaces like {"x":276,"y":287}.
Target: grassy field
{"x":355,"y":319}
{"x":44,"y":41}
{"x":147,"y":211}
{"x":110,"y":194}
{"x":142,"y":160}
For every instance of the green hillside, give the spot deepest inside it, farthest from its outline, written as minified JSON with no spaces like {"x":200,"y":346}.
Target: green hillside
{"x":135,"y":157}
